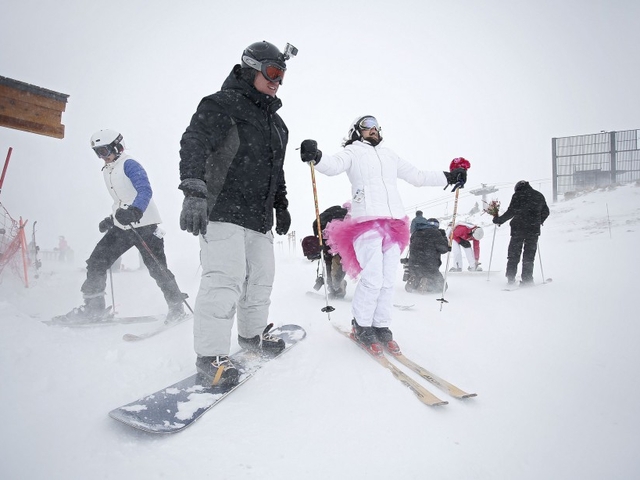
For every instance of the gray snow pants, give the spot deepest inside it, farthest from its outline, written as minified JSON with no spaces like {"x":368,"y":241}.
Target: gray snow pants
{"x":238,"y":268}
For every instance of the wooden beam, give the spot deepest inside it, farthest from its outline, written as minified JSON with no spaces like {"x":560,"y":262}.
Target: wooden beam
{"x":31,"y":109}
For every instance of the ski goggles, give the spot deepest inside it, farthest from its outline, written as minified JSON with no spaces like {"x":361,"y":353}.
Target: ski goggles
{"x":271,"y":71}
{"x":103,"y":151}
{"x":367,"y":123}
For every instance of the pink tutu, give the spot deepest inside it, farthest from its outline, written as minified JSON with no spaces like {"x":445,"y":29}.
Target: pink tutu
{"x":340,"y":235}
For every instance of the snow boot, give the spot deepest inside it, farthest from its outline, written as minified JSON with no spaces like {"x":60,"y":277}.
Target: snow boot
{"x":265,"y":344}
{"x":218,"y":370}
{"x":455,"y":269}
{"x":366,"y":336}
{"x":385,"y":337}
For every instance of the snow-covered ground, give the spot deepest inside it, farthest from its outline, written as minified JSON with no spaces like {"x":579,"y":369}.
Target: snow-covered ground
{"x":556,"y":370}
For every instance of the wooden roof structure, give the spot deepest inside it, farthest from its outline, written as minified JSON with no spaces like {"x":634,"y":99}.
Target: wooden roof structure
{"x":30,"y":108}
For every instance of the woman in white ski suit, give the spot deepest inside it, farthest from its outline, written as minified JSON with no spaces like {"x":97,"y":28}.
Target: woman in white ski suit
{"x":379,"y":227}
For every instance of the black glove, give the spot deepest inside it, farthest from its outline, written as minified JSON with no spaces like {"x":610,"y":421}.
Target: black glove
{"x":309,"y":151}
{"x":464,"y":243}
{"x":194,"y":217}
{"x":283,"y":221}
{"x":457,"y":176}
{"x":496,"y":220}
{"x":106,"y":224}
{"x":128,"y":215}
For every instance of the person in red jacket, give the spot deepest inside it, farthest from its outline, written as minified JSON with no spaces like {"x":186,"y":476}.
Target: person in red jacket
{"x":464,"y":236}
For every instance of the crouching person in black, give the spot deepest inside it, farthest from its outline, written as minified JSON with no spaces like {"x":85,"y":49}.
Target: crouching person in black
{"x":336,"y":284}
{"x":428,"y":243}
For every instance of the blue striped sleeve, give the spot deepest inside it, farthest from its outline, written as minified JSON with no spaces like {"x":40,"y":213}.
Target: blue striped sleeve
{"x":138,"y":176}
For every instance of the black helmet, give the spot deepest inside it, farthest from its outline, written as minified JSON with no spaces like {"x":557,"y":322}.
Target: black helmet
{"x":520,"y":185}
{"x":266,"y":58}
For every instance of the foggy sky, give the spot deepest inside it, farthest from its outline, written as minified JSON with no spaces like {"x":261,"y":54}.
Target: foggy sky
{"x":491,"y":81}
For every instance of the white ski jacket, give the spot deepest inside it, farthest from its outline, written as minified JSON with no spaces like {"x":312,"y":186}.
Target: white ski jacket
{"x":128,"y":184}
{"x":373,"y":172}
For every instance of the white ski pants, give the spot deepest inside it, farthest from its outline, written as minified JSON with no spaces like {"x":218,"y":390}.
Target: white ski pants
{"x":457,"y":255}
{"x":238,"y":268}
{"x":373,"y":298}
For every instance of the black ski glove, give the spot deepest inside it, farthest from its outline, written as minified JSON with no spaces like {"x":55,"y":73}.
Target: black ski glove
{"x":283,"y":221}
{"x":105,"y":225}
{"x":128,"y":215}
{"x":194,"y":217}
{"x":465,"y":243}
{"x":457,"y":176}
{"x":309,"y":151}
{"x":496,"y":220}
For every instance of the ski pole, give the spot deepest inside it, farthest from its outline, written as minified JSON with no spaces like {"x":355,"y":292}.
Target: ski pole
{"x":162,"y":269}
{"x":540,"y":260}
{"x":446,"y":269}
{"x":327,"y":308}
{"x":113,"y":297}
{"x":495,"y":227}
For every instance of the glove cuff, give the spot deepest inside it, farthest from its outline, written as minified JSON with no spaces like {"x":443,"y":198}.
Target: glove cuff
{"x":193,"y":187}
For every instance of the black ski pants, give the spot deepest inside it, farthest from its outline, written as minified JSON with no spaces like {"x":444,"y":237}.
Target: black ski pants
{"x":114,"y":244}
{"x":527,"y":247}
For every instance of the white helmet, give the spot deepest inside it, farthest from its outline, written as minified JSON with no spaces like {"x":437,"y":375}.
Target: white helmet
{"x":477,"y":233}
{"x":360,"y":122}
{"x":106,"y":142}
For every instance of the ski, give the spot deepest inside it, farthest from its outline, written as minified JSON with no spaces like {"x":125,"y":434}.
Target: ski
{"x":424,"y":395}
{"x":132,"y":337}
{"x":64,"y":321}
{"x":174,"y":408}
{"x":404,"y":307}
{"x":519,"y":287}
{"x":432,"y":378}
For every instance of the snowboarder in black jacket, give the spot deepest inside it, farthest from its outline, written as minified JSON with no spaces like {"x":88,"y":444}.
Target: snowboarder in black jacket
{"x":231,"y":167}
{"x":527,"y":211}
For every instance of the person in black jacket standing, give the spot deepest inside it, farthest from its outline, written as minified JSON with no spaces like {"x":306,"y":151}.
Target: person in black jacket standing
{"x":527,"y":211}
{"x":231,"y":172}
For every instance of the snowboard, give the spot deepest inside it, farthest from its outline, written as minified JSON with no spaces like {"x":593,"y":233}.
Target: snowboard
{"x":177,"y":406}
{"x":64,"y":321}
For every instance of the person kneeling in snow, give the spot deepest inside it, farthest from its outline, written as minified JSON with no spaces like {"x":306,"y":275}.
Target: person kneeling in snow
{"x":427,"y":244}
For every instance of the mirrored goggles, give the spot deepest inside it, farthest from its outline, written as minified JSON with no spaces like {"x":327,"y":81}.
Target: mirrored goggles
{"x":103,"y":151}
{"x":367,"y":123}
{"x":272,"y":72}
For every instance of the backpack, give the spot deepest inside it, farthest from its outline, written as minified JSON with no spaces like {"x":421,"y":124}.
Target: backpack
{"x":311,"y":247}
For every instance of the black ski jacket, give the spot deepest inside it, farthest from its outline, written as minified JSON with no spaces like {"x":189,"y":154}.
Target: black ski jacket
{"x":426,"y":247}
{"x":528,"y":210}
{"x":236,"y":143}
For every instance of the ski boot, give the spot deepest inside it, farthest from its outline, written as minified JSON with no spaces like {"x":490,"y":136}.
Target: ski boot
{"x":218,"y":370}
{"x":175,"y":314}
{"x":265,"y":344}
{"x":384,"y":335}
{"x":93,"y":311}
{"x":366,"y":336}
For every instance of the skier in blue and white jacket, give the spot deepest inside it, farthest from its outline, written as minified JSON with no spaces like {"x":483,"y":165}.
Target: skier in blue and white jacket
{"x":133,"y":208}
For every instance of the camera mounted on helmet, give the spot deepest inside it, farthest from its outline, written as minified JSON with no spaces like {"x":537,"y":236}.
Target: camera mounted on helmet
{"x":267,"y":59}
